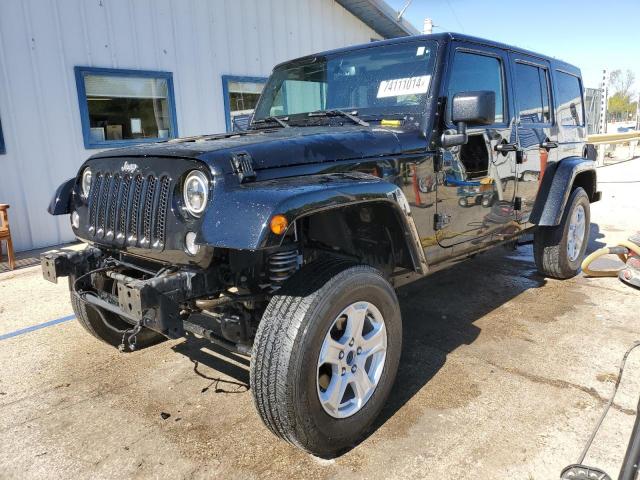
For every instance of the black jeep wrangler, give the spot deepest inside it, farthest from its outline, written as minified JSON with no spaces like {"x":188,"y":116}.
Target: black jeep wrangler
{"x":362,"y":169}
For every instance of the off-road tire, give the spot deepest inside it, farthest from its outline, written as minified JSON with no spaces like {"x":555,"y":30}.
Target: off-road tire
{"x":550,"y":243}
{"x":287,"y":345}
{"x":91,"y":321}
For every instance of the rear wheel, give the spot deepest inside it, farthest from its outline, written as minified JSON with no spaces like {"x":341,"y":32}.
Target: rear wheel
{"x":325,"y":356}
{"x":559,"y":250}
{"x":107,"y":326}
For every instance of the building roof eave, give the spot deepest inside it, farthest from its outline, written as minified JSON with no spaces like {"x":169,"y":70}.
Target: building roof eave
{"x":379,"y":16}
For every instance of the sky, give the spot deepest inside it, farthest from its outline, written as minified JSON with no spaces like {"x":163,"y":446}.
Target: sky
{"x":592,"y":35}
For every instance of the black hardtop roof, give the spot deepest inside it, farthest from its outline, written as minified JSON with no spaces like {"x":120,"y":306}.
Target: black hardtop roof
{"x":444,"y":38}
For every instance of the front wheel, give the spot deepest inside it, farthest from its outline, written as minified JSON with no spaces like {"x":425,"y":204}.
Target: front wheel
{"x":558,"y":251}
{"x":326,"y":354}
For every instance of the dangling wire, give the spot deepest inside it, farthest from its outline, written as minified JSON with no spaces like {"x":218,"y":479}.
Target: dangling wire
{"x":108,"y":266}
{"x":130,"y":336}
{"x":606,"y":409}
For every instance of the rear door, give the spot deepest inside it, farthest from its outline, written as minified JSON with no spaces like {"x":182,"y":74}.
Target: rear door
{"x":536,"y":138}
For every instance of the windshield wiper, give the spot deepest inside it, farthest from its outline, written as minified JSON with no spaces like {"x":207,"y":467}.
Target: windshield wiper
{"x":335,"y":112}
{"x":280,"y":121}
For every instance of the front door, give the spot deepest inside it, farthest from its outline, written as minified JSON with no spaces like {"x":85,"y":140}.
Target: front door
{"x":536,"y":140}
{"x":476,"y":185}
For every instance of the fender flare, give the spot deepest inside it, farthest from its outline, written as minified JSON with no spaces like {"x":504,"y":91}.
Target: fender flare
{"x":250,"y":207}
{"x":60,"y":204}
{"x":556,"y":188}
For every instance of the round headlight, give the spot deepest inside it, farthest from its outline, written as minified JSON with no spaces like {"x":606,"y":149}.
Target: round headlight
{"x":196,"y":192}
{"x":86,"y":182}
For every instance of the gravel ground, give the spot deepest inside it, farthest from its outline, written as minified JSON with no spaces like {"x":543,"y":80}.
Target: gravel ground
{"x":503,"y":375}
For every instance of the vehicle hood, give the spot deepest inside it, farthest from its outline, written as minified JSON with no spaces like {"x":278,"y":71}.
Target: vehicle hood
{"x":282,"y":147}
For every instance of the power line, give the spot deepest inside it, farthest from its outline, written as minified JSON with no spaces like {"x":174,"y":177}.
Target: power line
{"x":455,"y":16}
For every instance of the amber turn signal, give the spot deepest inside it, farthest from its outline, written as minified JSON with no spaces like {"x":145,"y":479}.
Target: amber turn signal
{"x":279,"y":224}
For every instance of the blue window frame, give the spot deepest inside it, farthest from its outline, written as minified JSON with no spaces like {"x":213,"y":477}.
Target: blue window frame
{"x":123,"y":107}
{"x":240,"y":98}
{"x":2,"y":147}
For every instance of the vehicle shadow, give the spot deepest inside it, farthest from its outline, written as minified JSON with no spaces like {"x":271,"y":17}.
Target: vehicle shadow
{"x":594,"y":238}
{"x":439,"y":314}
{"x":201,"y":351}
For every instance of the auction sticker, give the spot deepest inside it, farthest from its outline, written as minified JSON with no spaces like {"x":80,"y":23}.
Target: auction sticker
{"x":404,"y":86}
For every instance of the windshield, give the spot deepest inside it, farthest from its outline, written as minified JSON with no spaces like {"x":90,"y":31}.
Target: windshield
{"x":388,"y":79}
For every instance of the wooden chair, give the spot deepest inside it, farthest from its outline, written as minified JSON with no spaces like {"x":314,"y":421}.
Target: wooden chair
{"x":5,"y":235}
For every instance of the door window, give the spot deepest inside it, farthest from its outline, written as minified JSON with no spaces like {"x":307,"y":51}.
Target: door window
{"x":532,"y":92}
{"x":473,"y":72}
{"x":570,"y":109}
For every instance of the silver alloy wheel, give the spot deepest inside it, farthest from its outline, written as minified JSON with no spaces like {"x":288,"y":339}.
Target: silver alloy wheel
{"x":577,"y":229}
{"x":351,"y":359}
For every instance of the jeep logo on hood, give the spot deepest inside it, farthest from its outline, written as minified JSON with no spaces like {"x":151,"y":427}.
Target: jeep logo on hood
{"x":129,"y":167}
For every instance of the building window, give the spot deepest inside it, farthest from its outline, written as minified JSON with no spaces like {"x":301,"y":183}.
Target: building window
{"x":121,"y":107}
{"x":241,"y":95}
{"x":2,"y":148}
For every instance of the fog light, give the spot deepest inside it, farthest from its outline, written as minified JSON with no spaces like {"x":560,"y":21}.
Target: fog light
{"x":75,"y":220}
{"x":190,"y":243}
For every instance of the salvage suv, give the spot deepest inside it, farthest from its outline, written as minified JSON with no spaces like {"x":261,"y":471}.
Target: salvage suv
{"x":362,"y":169}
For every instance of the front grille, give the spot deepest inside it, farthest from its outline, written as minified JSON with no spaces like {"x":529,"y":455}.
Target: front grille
{"x":129,"y":209}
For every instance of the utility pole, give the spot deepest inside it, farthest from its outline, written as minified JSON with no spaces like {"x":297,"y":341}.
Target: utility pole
{"x":427,"y":28}
{"x":603,"y":114}
{"x":604,"y":100}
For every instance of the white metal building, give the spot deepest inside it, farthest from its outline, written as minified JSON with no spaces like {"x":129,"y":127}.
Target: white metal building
{"x":77,"y":76}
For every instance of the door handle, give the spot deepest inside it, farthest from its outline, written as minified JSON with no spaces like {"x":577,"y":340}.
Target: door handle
{"x":506,"y":147}
{"x":549,"y":145}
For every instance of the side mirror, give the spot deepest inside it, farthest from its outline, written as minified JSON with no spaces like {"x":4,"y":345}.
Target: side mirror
{"x":470,"y":108}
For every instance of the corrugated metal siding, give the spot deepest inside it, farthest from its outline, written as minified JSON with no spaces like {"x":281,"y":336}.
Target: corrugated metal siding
{"x":198,"y":40}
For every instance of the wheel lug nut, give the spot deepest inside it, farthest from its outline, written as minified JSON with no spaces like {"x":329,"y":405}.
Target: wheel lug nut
{"x":341,"y":355}
{"x":353,"y":369}
{"x":359,"y":351}
{"x":344,"y":370}
{"x":351,"y":343}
